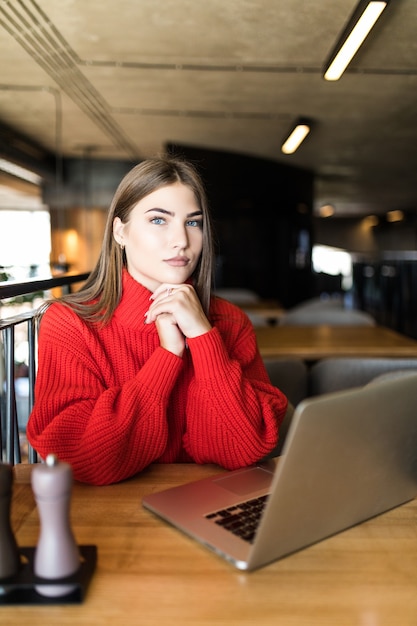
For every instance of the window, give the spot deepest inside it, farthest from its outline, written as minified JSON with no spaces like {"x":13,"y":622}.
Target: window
{"x":333,"y":261}
{"x":25,"y":243}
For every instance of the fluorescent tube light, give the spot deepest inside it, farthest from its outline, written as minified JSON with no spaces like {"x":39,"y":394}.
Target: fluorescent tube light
{"x":362,"y":20}
{"x":296,"y":136}
{"x":370,"y":221}
{"x":327,"y":210}
{"x":20,"y":172}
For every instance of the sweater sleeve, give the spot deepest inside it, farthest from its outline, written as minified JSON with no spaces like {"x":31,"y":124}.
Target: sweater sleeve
{"x":233,"y":410}
{"x":107,"y":433}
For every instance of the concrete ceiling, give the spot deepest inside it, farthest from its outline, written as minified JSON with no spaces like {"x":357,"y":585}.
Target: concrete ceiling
{"x":120,"y":79}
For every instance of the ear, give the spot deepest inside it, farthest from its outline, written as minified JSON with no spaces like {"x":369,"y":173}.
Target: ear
{"x":118,"y":230}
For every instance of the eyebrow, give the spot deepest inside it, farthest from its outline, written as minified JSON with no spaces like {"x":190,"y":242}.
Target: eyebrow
{"x":171,"y":214}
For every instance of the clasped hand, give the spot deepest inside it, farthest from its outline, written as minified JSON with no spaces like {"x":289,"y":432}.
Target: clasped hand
{"x":177,"y":313}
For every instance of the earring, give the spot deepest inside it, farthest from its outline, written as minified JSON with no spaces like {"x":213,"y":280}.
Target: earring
{"x":122,"y":246}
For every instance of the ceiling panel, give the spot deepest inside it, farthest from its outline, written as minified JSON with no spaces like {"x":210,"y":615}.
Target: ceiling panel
{"x":122,"y":79}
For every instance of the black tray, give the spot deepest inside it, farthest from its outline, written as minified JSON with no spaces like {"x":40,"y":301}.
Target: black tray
{"x":20,"y":589}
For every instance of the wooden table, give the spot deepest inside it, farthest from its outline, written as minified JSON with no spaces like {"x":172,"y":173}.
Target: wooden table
{"x":269,"y":314}
{"x":150,"y":574}
{"x":317,"y":342}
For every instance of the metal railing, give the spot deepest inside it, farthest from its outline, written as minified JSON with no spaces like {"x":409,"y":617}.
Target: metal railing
{"x":10,"y":450}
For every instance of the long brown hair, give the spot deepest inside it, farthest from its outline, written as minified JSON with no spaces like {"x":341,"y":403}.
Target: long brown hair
{"x":101,"y":293}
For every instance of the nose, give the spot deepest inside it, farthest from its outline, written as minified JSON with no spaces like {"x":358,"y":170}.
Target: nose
{"x":179,"y":238}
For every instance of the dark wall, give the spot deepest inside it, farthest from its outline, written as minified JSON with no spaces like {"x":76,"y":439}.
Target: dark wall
{"x":262,"y":209}
{"x":385,"y":288}
{"x":263,"y":220}
{"x":86,"y":183}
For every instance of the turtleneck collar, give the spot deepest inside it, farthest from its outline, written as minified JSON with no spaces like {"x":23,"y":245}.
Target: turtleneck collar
{"x":134,"y":302}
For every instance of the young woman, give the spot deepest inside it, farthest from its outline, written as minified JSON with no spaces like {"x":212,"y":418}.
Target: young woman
{"x":143,"y":365}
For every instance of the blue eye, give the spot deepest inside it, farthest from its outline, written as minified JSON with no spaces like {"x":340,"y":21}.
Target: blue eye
{"x":157,"y":220}
{"x":195,"y":223}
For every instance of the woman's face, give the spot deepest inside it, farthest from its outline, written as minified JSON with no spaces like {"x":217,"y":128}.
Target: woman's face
{"x":163,"y":237}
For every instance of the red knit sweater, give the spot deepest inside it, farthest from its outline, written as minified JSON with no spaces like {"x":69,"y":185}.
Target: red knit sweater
{"x":110,"y":400}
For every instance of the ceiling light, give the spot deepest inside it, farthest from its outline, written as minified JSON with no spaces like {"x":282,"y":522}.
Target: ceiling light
{"x":20,"y":172}
{"x":296,"y":136}
{"x":395,"y":216}
{"x":362,"y":20}
{"x":327,"y":210}
{"x":370,"y":221}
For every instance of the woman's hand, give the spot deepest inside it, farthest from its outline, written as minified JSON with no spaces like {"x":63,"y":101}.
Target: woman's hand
{"x":178,"y":314}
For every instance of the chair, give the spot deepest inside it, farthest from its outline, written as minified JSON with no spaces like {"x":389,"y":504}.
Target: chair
{"x":382,"y":378}
{"x":238,"y":295}
{"x":335,"y":374}
{"x":290,"y":375}
{"x":257,"y":320}
{"x":334,"y":302}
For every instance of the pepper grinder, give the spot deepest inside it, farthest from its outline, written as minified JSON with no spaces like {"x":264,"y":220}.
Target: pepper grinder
{"x":56,"y":555}
{"x":9,"y":553}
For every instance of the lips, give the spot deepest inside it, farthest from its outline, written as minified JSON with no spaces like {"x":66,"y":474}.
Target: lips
{"x":178,"y":261}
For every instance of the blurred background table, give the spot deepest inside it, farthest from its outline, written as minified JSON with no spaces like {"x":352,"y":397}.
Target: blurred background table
{"x":320,"y":341}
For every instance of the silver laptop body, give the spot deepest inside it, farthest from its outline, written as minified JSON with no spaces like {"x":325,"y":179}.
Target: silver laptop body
{"x":348,"y":456}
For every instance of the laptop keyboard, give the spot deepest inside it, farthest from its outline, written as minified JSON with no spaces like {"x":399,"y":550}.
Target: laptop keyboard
{"x":241,"y":519}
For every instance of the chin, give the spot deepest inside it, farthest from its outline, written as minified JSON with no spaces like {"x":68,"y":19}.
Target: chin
{"x":178,"y":280}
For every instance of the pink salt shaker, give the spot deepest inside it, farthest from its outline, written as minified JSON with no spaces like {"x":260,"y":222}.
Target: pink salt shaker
{"x":57,"y":555}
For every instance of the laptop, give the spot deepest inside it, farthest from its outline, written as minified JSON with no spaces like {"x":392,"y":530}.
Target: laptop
{"x":348,"y":456}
